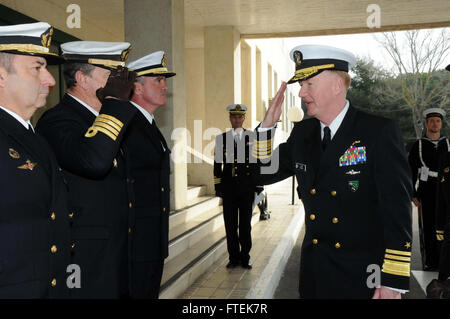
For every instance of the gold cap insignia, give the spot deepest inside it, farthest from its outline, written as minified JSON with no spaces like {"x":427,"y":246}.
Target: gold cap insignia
{"x":164,"y":61}
{"x":238,"y":108}
{"x":298,"y":56}
{"x":47,"y":38}
{"x":125,"y":53}
{"x":28,"y":165}
{"x":13,"y":153}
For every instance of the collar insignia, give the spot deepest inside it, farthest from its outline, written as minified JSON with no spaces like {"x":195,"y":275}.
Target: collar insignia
{"x":13,"y":153}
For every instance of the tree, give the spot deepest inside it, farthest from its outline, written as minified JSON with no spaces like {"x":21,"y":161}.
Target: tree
{"x":417,"y":57}
{"x":368,"y":87}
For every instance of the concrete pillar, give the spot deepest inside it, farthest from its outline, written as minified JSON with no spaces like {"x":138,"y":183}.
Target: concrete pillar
{"x":153,"y":25}
{"x":222,"y":63}
{"x":199,"y":170}
{"x":222,"y":73}
{"x":246,"y":82}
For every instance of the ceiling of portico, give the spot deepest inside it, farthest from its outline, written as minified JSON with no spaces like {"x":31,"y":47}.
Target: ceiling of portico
{"x":288,"y":18}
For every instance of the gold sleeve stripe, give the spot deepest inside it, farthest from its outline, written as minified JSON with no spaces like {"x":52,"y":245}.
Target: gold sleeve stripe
{"x":111,"y":118}
{"x":107,"y":126}
{"x":263,"y":148}
{"x":256,"y":151}
{"x":263,"y":141}
{"x":259,"y":154}
{"x":439,"y":237}
{"x":396,"y":268}
{"x":260,"y":150}
{"x":92,"y":131}
{"x":398,"y":252}
{"x":393,"y":257}
{"x":109,"y":122}
{"x":262,"y":157}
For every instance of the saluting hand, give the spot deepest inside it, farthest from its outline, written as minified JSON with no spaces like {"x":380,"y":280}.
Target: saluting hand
{"x":119,"y":85}
{"x":274,"y":112}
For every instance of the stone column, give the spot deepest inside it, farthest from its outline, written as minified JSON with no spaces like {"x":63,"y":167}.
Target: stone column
{"x":150,"y":26}
{"x":222,"y":73}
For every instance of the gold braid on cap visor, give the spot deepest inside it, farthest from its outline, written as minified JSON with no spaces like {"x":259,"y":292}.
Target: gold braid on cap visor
{"x":108,"y":63}
{"x":304,"y":73}
{"x":27,"y":48}
{"x":153,"y":71}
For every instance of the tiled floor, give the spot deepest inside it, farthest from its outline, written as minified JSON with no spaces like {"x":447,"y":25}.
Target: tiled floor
{"x":222,"y":283}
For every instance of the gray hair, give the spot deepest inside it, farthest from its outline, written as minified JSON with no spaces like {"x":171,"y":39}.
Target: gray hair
{"x":6,"y":62}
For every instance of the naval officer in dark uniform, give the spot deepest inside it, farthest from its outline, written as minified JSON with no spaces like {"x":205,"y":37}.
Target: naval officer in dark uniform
{"x":233,"y":182}
{"x":34,"y":222}
{"x":430,"y":161}
{"x":440,"y":288}
{"x":85,"y":131}
{"x":354,"y":181}
{"x":150,"y":169}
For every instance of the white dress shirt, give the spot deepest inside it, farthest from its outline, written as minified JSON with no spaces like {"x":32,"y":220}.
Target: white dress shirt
{"x":148,"y":116}
{"x":90,"y":108}
{"x":336,"y":123}
{"x":26,"y":124}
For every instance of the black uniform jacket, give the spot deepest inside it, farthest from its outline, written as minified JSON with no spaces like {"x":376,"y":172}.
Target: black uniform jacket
{"x":233,"y":165}
{"x":34,"y":222}
{"x":150,"y":170}
{"x":89,"y":150}
{"x":357,"y":200}
{"x":435,"y":189}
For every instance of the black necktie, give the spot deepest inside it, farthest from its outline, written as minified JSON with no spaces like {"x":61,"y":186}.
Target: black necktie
{"x":161,"y":137}
{"x":326,"y":137}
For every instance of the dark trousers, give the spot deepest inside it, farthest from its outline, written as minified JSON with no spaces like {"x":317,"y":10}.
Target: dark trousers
{"x":147,"y":279}
{"x":444,"y":263}
{"x":237,"y":214}
{"x":430,"y":246}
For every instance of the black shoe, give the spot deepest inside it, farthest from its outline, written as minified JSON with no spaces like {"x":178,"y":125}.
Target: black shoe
{"x":438,"y":290}
{"x":446,"y":289}
{"x":246,"y":265}
{"x":264,"y":215}
{"x":232,"y":265}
